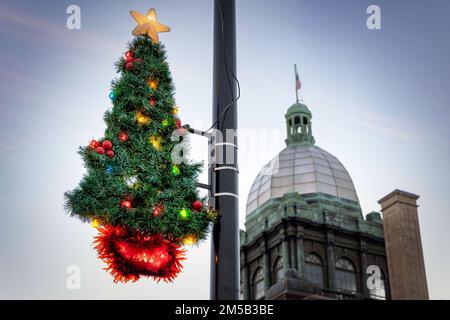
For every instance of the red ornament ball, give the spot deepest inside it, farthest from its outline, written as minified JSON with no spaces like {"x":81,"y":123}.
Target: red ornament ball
{"x":129,"y":59}
{"x":107,"y":145}
{"x":94,"y":144}
{"x":129,"y":66}
{"x":123,"y":136}
{"x":197,"y":205}
{"x":138,"y":60}
{"x":129,"y":54}
{"x":100,"y":150}
{"x":152,"y":102}
{"x":178,"y":123}
{"x":110,"y":154}
{"x":125,"y":204}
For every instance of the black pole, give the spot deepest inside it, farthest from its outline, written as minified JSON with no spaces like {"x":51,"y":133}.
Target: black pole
{"x":223,"y":175}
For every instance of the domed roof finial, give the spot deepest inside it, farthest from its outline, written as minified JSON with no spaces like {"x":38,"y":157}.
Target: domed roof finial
{"x":298,"y":119}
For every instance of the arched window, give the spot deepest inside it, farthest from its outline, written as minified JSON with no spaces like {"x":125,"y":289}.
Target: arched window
{"x":379,"y":292}
{"x":345,"y":275}
{"x":277,"y":272}
{"x":258,"y":284}
{"x":314,"y":269}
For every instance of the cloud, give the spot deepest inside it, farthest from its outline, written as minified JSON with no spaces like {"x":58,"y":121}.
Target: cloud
{"x":393,"y":128}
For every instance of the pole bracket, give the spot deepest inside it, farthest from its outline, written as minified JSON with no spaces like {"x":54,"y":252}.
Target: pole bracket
{"x":204,"y":186}
{"x":197,"y":132}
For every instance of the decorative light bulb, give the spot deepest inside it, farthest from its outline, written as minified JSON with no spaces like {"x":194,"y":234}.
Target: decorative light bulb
{"x":142,"y":118}
{"x":131,"y":181}
{"x":123,"y":136}
{"x":158,"y":210}
{"x":175,"y":170}
{"x":190,"y":240}
{"x":156,"y":142}
{"x":184,"y":214}
{"x":152,"y":84}
{"x":95,"y":223}
{"x":125,"y":204}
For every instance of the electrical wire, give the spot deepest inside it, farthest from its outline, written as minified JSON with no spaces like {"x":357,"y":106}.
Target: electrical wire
{"x":228,"y":70}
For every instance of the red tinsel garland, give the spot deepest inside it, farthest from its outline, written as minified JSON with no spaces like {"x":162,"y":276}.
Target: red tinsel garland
{"x":132,"y":254}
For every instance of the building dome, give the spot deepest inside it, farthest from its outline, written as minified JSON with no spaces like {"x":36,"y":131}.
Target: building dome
{"x":304,"y":169}
{"x":301,"y":167}
{"x":298,"y":108}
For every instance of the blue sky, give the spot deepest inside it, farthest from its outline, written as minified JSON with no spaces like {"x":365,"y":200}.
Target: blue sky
{"x":379,"y":98}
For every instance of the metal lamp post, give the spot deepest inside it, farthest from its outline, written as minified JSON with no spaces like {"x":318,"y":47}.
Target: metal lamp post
{"x":223,"y":175}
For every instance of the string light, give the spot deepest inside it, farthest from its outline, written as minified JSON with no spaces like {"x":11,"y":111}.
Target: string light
{"x":156,"y":142}
{"x":131,"y":181}
{"x":152,"y":84}
{"x":123,"y":136}
{"x":125,"y":204}
{"x":165,"y":123}
{"x":158,"y":210}
{"x":95,"y":223}
{"x":142,"y":118}
{"x":190,"y":240}
{"x":184,"y":214}
{"x":175,"y":170}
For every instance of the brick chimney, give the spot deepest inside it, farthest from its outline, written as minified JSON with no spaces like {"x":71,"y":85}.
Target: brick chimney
{"x":406,"y":265}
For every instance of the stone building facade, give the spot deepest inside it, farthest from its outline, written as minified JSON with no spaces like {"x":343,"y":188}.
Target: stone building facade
{"x":306,"y":237}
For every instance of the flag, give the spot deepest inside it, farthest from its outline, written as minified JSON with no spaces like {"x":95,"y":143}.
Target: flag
{"x":298,"y":84}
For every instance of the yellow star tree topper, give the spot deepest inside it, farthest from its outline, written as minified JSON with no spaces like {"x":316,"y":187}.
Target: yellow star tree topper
{"x":148,"y":25}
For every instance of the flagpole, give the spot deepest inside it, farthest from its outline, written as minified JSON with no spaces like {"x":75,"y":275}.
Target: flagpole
{"x":296,"y":90}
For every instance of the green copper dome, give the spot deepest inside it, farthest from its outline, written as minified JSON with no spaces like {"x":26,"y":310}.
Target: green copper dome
{"x":298,"y":125}
{"x":298,"y":108}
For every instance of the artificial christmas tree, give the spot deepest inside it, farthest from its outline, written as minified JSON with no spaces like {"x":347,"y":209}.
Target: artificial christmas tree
{"x":144,"y":204}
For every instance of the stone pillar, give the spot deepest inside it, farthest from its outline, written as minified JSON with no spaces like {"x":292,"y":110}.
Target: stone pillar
{"x":292,"y":234}
{"x":245,"y":277}
{"x":331,"y":261}
{"x":285,"y":253}
{"x":406,"y":265}
{"x":245,"y":283}
{"x":300,"y":256}
{"x":293,"y":251}
{"x":266,"y":265}
{"x":363,"y":267}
